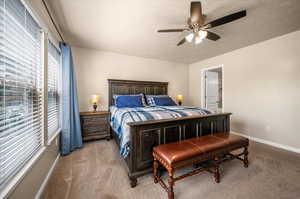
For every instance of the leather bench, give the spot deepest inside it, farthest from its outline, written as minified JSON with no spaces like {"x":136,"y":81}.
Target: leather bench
{"x":215,"y":147}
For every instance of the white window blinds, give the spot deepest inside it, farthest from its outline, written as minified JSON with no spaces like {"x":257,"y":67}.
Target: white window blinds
{"x":53,"y":89}
{"x":20,"y":88}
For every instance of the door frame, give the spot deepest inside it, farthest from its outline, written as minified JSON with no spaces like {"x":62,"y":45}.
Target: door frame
{"x":203,"y":85}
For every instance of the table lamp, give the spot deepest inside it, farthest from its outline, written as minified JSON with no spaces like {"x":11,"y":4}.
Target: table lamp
{"x":95,"y":100}
{"x":179,"y":99}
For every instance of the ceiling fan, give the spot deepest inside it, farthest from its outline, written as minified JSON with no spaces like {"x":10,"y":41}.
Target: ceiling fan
{"x":198,"y":29}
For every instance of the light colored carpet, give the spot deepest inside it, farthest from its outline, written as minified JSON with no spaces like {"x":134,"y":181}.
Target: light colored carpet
{"x":96,"y":172}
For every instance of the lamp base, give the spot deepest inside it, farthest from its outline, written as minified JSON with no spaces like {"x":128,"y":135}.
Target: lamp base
{"x":95,"y":107}
{"x":179,"y":103}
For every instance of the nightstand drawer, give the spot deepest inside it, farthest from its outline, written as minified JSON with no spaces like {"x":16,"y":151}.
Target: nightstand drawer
{"x":91,"y":133}
{"x":91,"y":119}
{"x":94,"y":117}
{"x":94,"y":128}
{"x":96,"y":123}
{"x":96,"y":136}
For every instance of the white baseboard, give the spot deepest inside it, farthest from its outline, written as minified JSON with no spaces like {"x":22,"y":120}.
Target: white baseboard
{"x":45,"y":182}
{"x":274,"y":144}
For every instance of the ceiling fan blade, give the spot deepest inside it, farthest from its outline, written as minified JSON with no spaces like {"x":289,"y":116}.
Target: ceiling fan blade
{"x":181,"y":42}
{"x":212,"y":36}
{"x":172,"y":30}
{"x":227,"y":19}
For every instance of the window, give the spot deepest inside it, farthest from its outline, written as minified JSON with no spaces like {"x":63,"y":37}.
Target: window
{"x":21,"y":89}
{"x":53,"y":90}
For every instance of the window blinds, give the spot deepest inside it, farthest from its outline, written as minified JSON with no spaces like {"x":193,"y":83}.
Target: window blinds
{"x":53,"y":89}
{"x":20,"y":88}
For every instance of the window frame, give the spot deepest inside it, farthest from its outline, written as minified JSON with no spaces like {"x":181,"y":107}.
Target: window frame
{"x":49,"y":139}
{"x":46,"y":36}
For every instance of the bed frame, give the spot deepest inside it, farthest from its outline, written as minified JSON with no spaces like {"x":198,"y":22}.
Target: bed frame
{"x":146,"y":135}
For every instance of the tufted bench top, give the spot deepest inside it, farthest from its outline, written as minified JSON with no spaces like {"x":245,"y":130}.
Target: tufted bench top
{"x":187,"y":149}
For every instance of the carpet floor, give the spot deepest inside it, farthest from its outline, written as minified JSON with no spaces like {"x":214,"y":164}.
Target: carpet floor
{"x":97,"y":172}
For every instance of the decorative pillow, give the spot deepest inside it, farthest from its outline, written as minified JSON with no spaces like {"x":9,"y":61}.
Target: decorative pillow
{"x":164,"y":101}
{"x":129,"y":101}
{"x":150,"y":99}
{"x":141,"y":94}
{"x":144,"y":100}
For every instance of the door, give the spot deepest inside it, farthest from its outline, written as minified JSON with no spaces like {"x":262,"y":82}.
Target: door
{"x":213,"y":89}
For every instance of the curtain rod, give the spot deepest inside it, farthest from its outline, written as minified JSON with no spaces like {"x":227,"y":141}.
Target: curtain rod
{"x":52,"y":20}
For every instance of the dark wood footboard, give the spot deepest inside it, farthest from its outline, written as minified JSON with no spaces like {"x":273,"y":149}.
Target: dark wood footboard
{"x":146,"y":135}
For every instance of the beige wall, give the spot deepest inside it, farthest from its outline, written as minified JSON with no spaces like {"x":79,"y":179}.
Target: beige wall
{"x":93,"y":68}
{"x":262,"y":88}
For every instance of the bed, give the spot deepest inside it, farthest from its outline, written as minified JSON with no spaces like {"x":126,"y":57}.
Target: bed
{"x":144,"y":135}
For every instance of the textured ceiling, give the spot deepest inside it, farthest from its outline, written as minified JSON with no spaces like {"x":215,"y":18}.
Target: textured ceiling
{"x":129,"y":26}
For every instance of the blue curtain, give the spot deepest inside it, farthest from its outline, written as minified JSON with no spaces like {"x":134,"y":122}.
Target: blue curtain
{"x":71,"y":130}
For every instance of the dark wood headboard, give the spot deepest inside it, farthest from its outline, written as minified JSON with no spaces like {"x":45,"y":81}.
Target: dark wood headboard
{"x":123,"y":87}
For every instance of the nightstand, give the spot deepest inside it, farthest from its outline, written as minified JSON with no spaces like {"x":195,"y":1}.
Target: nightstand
{"x":95,"y":125}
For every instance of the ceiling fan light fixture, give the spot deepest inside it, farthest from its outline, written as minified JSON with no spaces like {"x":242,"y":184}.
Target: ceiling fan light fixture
{"x":198,"y":40}
{"x":190,"y":37}
{"x":202,"y":34}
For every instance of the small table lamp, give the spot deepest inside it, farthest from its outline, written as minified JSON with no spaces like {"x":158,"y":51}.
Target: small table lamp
{"x":179,"y":99}
{"x":95,"y":100}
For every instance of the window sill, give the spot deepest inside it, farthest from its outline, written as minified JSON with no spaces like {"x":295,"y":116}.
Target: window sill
{"x":53,"y":137}
{"x":9,"y":188}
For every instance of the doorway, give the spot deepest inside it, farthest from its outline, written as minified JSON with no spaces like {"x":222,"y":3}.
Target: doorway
{"x":212,"y":88}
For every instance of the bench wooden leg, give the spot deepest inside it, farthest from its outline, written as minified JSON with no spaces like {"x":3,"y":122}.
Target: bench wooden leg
{"x":171,"y":184}
{"x":246,"y":157}
{"x":217,"y":169}
{"x":160,"y":171}
{"x":155,"y":166}
{"x":217,"y":173}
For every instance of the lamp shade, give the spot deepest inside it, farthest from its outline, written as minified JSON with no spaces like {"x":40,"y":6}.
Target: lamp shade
{"x":95,"y":98}
{"x":179,"y":98}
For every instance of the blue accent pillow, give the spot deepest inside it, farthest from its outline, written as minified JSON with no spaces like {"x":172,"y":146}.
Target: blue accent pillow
{"x":150,"y":99}
{"x":164,"y":101}
{"x":141,"y":94}
{"x":130,"y":101}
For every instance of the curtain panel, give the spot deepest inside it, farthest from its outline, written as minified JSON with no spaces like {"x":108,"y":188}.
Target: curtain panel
{"x":71,"y":130}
